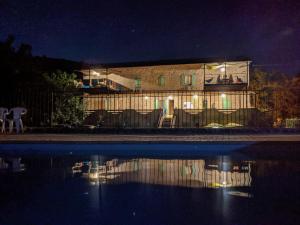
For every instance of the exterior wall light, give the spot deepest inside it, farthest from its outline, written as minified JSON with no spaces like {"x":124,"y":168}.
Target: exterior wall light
{"x":95,"y":73}
{"x":146,"y":98}
{"x":222,"y":69}
{"x":170,"y":97}
{"x":223,"y":95}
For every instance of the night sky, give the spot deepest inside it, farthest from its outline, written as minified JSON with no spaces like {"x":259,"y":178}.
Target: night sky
{"x":267,"y":31}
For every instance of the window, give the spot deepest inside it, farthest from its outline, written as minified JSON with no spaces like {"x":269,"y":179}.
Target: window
{"x":188,"y":80}
{"x":161,"y":81}
{"x":137,"y":83}
{"x":188,"y":105}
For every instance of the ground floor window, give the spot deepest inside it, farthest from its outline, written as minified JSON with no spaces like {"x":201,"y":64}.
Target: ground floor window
{"x":188,"y":105}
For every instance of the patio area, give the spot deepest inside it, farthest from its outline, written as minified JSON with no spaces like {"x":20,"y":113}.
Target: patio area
{"x":146,"y":138}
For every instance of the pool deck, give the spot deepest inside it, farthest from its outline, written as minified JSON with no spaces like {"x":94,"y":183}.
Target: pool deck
{"x":120,"y":138}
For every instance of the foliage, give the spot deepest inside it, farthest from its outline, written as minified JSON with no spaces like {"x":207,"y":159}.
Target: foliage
{"x":21,"y":71}
{"x":60,"y":80}
{"x":68,"y":110}
{"x":68,"y":107}
{"x":19,"y":68}
{"x":277,"y":93}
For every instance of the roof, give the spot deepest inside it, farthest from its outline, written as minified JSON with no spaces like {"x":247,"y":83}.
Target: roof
{"x":168,"y":62}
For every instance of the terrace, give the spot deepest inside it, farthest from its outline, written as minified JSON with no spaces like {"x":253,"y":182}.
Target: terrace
{"x":226,"y":76}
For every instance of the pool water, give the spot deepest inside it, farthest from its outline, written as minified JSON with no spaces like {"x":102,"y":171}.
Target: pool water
{"x":91,"y":188}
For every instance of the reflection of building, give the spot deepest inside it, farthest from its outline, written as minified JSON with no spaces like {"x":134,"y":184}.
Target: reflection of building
{"x":178,"y":172}
{"x":193,"y":93}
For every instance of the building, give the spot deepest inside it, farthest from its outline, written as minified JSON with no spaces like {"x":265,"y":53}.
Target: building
{"x":182,"y":93}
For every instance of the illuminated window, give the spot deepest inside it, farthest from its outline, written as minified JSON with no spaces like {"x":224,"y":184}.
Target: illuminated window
{"x":188,"y":79}
{"x":188,"y":105}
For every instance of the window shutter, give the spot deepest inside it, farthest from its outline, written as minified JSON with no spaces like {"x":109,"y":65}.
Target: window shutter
{"x":156,"y":103}
{"x":137,"y":82}
{"x":193,"y":79}
{"x":162,"y":81}
{"x":182,"y":80}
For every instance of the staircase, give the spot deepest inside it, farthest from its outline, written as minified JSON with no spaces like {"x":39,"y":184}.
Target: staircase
{"x":167,"y":122}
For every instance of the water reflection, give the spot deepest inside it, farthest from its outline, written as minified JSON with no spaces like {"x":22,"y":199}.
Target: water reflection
{"x":86,"y":189}
{"x":11,"y":164}
{"x":216,"y":173}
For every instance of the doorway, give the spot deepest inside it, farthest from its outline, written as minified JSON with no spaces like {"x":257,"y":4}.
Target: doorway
{"x":170,"y":107}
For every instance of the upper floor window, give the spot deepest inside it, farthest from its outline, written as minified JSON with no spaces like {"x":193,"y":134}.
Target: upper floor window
{"x":161,"y":81}
{"x":137,"y":83}
{"x":188,"y":80}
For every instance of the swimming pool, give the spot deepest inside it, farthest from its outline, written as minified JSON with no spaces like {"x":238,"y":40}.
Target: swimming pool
{"x":146,"y":184}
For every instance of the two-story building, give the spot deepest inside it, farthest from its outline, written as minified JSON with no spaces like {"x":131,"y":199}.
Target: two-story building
{"x":179,"y":93}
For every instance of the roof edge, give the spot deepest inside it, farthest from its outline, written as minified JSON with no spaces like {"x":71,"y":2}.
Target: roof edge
{"x":166,"y":62}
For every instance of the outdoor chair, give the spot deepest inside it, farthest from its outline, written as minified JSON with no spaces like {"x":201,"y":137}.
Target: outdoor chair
{"x":3,"y":114}
{"x":17,"y":119}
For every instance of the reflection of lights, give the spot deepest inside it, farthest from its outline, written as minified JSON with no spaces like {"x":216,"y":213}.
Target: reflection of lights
{"x":223,"y":95}
{"x":240,"y":194}
{"x":112,"y":169}
{"x":195,"y":96}
{"x":93,"y":175}
{"x":170,"y":97}
{"x":146,"y":98}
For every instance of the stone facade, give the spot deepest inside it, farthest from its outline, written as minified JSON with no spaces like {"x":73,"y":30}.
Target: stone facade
{"x":186,"y":93}
{"x":171,"y":77}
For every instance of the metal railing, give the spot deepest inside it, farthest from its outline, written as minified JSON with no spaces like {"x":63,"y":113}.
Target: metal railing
{"x":147,"y":109}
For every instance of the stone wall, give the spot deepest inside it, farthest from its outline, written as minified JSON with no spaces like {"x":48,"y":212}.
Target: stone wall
{"x":173,"y":75}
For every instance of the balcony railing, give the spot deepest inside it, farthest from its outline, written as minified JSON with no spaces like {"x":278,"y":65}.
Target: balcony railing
{"x":218,"y":82}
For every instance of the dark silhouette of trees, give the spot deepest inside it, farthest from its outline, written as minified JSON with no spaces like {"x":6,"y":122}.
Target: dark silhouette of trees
{"x":278,"y":93}
{"x":18,"y":67}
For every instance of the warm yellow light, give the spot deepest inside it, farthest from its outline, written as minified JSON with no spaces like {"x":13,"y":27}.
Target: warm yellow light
{"x":195,"y":96}
{"x":170,"y":97}
{"x":222,"y":69}
{"x":146,"y":98}
{"x":223,"y":95}
{"x":95,"y":73}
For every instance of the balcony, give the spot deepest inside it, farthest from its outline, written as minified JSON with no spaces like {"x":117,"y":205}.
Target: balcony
{"x":226,"y":76}
{"x":231,"y":82}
